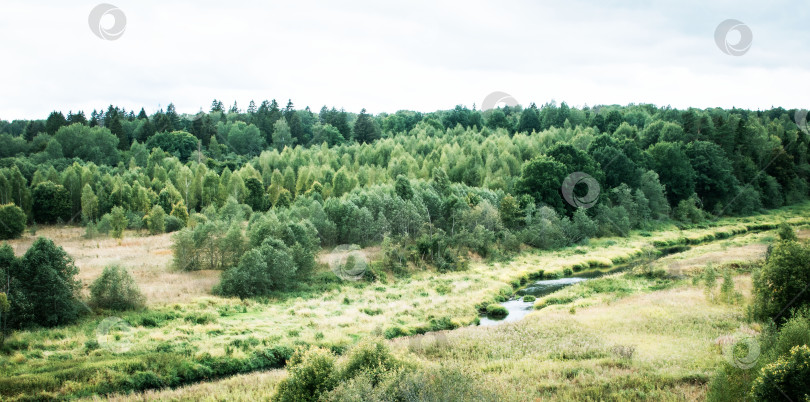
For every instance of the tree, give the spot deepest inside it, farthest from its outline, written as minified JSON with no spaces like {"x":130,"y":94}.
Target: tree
{"x":255,"y":198}
{"x":12,"y":221}
{"x":617,"y":166}
{"x":54,"y":122}
{"x":250,"y":278}
{"x":156,"y":220}
{"x":115,"y":289}
{"x":51,"y":203}
{"x":178,"y":143}
{"x":403,"y":188}
{"x":282,"y":137}
{"x":118,"y":222}
{"x":529,"y":120}
{"x":715,"y":183}
{"x":542,"y":179}
{"x":180,"y":212}
{"x":674,"y":170}
{"x":510,"y":212}
{"x":245,"y":139}
{"x":341,"y":183}
{"x":326,"y":133}
{"x":781,"y":283}
{"x":44,"y":290}
{"x":365,"y":129}
{"x":576,"y":160}
{"x":655,"y":193}
{"x":93,"y":144}
{"x":89,"y":204}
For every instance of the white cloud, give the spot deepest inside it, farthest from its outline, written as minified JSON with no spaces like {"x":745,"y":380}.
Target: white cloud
{"x":387,"y":56}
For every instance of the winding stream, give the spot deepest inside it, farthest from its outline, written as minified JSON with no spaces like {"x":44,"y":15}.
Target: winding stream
{"x":518,"y":309}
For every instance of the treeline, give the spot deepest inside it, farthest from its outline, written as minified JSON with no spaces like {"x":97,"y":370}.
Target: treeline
{"x":430,"y":187}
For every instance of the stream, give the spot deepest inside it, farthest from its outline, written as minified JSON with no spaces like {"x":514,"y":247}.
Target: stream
{"x":518,"y":309}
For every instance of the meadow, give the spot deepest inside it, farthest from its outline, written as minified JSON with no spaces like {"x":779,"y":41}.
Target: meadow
{"x":647,"y":332}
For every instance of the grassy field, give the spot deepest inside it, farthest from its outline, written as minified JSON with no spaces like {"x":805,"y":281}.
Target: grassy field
{"x":636,"y":338}
{"x":624,"y":343}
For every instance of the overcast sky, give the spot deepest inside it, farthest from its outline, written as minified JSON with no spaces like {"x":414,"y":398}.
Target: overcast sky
{"x":385,"y":55}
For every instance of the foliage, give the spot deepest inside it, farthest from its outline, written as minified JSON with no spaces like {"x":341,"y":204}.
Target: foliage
{"x":118,"y":222}
{"x":781,"y":283}
{"x":156,"y":220}
{"x":12,"y":221}
{"x":178,"y":143}
{"x":786,"y":377}
{"x":496,"y":310}
{"x":115,"y":289}
{"x":311,"y":376}
{"x":51,"y":203}
{"x":43,"y":289}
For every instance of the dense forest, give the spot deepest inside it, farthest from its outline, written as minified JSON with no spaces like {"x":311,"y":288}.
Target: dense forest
{"x":258,"y":194}
{"x":430,"y":187}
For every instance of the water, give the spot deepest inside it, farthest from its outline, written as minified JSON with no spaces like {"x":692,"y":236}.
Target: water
{"x":518,"y":309}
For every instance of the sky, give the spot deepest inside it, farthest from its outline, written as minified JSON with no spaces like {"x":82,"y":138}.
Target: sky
{"x":386,"y":56}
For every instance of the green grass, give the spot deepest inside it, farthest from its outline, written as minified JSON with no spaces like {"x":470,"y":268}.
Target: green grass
{"x":173,"y":345}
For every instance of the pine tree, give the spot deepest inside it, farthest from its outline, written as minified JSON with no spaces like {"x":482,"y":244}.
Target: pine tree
{"x":365,"y":129}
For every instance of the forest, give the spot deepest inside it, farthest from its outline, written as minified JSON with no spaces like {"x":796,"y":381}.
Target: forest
{"x":258,"y":194}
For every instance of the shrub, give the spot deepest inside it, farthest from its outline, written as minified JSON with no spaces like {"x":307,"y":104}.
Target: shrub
{"x":781,"y":282}
{"x":528,"y":299}
{"x":156,"y":220}
{"x":371,"y":357}
{"x":118,"y":222}
{"x":786,"y":233}
{"x":688,"y":211}
{"x":497,"y":311}
{"x":173,"y":224}
{"x":394,"y":332}
{"x":104,"y":225}
{"x":439,"y":384}
{"x":43,"y":289}
{"x":51,"y":203}
{"x":311,"y":375}
{"x":115,"y":289}
{"x":13,"y":220}
{"x":786,"y":377}
{"x":134,"y":220}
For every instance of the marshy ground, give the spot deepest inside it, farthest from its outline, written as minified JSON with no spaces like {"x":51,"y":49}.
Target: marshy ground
{"x":623,"y":336}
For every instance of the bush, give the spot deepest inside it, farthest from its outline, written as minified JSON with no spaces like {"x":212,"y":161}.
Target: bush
{"x":394,"y":332}
{"x":173,"y":224}
{"x":785,"y":378}
{"x":311,"y":375}
{"x":782,"y":281}
{"x":115,"y":289}
{"x":51,"y":203}
{"x":439,"y":384}
{"x":688,"y":211}
{"x":43,"y":289}
{"x":497,"y":311}
{"x":118,"y":222}
{"x":156,"y":220}
{"x":12,"y":221}
{"x":372,"y":357}
{"x":786,"y":233}
{"x":528,"y":299}
{"x":104,"y":225}
{"x":134,"y":220}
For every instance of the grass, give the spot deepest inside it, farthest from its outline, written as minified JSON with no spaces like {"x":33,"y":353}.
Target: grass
{"x":202,"y":338}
